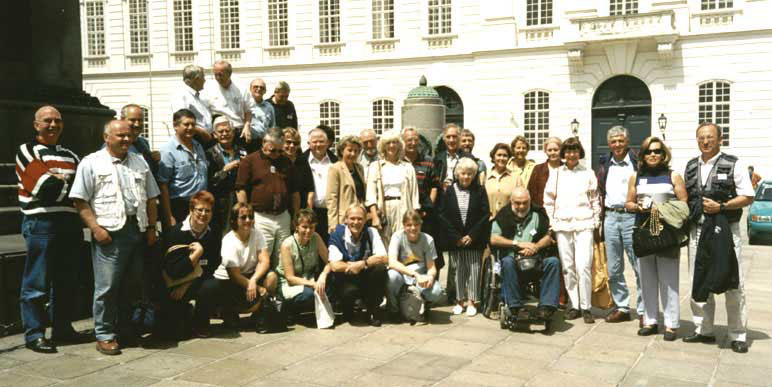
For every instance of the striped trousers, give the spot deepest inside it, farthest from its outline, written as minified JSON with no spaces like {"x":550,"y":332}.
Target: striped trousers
{"x":467,"y":262}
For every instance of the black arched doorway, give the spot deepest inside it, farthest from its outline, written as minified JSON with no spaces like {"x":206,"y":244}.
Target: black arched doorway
{"x":454,"y":107}
{"x":621,"y":100}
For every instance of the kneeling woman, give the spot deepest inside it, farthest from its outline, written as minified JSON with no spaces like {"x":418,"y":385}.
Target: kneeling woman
{"x":411,"y":261}
{"x":303,"y":256}
{"x":243,"y":278}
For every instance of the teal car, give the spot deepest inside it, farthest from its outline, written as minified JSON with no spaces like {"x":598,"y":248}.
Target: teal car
{"x":760,"y":215}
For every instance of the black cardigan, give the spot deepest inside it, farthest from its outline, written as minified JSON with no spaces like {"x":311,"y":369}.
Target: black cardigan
{"x":477,"y":225}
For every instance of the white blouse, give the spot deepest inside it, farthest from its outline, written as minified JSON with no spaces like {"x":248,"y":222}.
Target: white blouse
{"x":571,"y":199}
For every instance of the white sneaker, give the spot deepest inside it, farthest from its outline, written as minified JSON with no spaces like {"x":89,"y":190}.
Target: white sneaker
{"x":458,"y":309}
{"x":471,"y":310}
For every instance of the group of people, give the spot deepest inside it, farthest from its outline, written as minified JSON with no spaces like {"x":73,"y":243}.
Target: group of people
{"x":249,"y":221}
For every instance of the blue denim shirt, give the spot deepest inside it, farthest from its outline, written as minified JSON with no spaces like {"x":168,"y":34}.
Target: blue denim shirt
{"x":184,"y":171}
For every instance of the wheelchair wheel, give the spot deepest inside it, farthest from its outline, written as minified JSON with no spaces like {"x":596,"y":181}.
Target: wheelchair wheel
{"x":489,"y":292}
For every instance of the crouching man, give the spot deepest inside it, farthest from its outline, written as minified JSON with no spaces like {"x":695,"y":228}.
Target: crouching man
{"x":521,"y":231}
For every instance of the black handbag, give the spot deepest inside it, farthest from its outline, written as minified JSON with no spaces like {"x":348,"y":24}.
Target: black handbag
{"x":653,"y":236}
{"x":528,"y":263}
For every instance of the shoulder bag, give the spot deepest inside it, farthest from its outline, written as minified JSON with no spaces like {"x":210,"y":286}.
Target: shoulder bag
{"x":654,"y":236}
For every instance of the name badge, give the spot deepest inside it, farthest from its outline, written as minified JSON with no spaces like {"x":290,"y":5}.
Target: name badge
{"x":203,"y":262}
{"x":273,"y":169}
{"x":643,"y":181}
{"x":533,"y":232}
{"x":721,"y":176}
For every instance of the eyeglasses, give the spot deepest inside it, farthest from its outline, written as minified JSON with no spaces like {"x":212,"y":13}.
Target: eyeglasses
{"x":246,"y":217}
{"x":654,"y":151}
{"x":272,"y":151}
{"x":292,"y":142}
{"x":202,"y":211}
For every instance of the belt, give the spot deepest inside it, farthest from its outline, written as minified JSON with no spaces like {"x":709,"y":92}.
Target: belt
{"x":620,"y":210}
{"x":391,"y":198}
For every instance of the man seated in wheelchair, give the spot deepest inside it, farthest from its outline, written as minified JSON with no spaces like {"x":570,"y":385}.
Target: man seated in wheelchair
{"x":520,"y":233}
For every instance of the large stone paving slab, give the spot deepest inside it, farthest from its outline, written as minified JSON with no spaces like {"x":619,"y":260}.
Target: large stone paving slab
{"x":65,"y":367}
{"x":329,"y":370}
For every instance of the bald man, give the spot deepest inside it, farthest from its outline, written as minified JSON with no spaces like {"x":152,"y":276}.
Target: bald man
{"x":262,"y":113}
{"x":112,"y":191}
{"x":51,"y":231}
{"x":522,"y":231}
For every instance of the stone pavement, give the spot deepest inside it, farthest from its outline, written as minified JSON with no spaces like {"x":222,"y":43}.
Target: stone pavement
{"x":453,"y":350}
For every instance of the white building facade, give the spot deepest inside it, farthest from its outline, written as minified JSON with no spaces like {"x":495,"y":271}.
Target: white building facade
{"x":505,"y":68}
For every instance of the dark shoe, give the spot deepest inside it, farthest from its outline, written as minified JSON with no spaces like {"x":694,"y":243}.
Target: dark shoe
{"x":108,"y":347}
{"x":544,"y":313}
{"x":202,"y":332}
{"x":128,"y":341}
{"x":740,"y":346}
{"x":376,"y":319}
{"x":41,"y":345}
{"x":698,"y":338}
{"x":73,"y":337}
{"x":648,"y":330}
{"x":573,"y":314}
{"x":618,"y":316}
{"x":230,"y":319}
{"x":670,"y":335}
{"x":587,"y":317}
{"x":261,"y":326}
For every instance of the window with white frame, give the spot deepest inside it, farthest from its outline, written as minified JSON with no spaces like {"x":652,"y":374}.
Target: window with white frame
{"x":95,"y":27}
{"x":138,"y":32}
{"x":440,"y":17}
{"x":329,"y":21}
{"x":146,"y":123}
{"x":714,"y":106}
{"x":716,"y":4}
{"x":183,"y":25}
{"x":278,"y":23}
{"x":383,"y":19}
{"x":383,"y":116}
{"x":538,"y":12}
{"x":536,"y":122}
{"x":623,"y":7}
{"x":229,"y":24}
{"x":329,"y":114}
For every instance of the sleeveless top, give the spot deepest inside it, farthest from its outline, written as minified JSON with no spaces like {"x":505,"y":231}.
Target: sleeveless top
{"x":305,"y":261}
{"x":657,"y":186}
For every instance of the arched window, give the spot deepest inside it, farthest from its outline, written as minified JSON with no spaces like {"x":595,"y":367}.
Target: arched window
{"x":536,"y":118}
{"x":538,"y":12}
{"x":623,"y":7}
{"x":329,"y":114}
{"x":383,"y":116}
{"x":714,"y":106}
{"x":230,"y":35}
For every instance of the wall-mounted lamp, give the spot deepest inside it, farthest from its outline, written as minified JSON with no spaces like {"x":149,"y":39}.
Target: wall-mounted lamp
{"x":575,"y":127}
{"x":662,"y":121}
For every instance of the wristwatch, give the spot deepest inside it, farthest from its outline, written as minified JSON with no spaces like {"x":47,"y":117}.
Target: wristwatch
{"x":721,"y":206}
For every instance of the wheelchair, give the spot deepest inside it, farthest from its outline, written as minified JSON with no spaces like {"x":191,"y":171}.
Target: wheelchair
{"x":493,"y":307}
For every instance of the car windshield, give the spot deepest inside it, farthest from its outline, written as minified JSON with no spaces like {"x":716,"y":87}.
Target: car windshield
{"x":764,"y":193}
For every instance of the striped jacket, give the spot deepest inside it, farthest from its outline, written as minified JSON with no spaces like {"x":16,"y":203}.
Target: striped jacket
{"x":39,"y":191}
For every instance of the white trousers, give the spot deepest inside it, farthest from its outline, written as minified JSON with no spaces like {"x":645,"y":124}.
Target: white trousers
{"x":575,"y":249}
{"x":703,"y":312}
{"x":659,"y":280}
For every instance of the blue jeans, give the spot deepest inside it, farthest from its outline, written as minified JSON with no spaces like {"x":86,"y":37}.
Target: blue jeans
{"x":116,"y":268}
{"x":53,"y":242}
{"x":618,"y":229}
{"x":550,"y":283}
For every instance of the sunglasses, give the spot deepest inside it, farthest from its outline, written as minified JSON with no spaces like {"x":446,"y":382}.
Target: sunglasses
{"x":292,"y":142}
{"x":246,"y":217}
{"x":654,"y":151}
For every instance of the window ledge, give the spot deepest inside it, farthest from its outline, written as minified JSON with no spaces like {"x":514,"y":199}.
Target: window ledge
{"x":383,"y":45}
{"x":329,"y":45}
{"x":183,"y":53}
{"x":96,"y":57}
{"x":143,"y":55}
{"x":383,"y":41}
{"x":717,"y":12}
{"x":230,"y":51}
{"x":279,"y":48}
{"x":329,"y":49}
{"x":440,"y":40}
{"x":540,"y":27}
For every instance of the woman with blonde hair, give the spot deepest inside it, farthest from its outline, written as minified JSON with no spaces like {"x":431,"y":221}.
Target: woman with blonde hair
{"x":392,"y":187}
{"x":345,"y":181}
{"x":518,"y":164}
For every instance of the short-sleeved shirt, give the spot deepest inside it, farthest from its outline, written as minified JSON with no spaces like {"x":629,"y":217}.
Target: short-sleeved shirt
{"x":84,"y":185}
{"x":187,"y":98}
{"x":424,"y":174}
{"x":353,"y":247}
{"x":263,"y":116}
{"x":236,"y":253}
{"x":409,"y":253}
{"x":228,"y":102}
{"x":499,"y":187}
{"x":742,"y":180}
{"x":185,"y":171}
{"x":271,"y":181}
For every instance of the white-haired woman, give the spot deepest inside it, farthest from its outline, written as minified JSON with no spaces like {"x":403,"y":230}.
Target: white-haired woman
{"x":463,"y":212}
{"x":392,"y":188}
